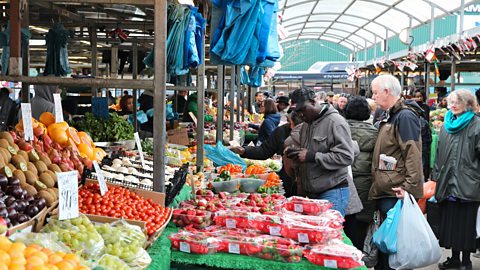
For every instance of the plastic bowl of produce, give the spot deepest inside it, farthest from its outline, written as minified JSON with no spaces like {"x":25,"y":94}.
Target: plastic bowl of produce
{"x":250,"y":184}
{"x":226,"y":186}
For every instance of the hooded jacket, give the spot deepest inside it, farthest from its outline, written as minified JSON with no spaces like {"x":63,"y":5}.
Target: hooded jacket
{"x":398,"y":137}
{"x":43,"y":100}
{"x":8,"y":112}
{"x":270,"y":123}
{"x":328,"y":137}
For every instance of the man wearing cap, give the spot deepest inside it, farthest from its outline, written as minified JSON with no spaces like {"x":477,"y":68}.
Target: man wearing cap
{"x":326,"y":151}
{"x":330,"y":95}
{"x":282,"y":105}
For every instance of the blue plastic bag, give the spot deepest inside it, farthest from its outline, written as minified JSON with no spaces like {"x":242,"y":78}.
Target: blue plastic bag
{"x":220,"y":155}
{"x":385,"y":238}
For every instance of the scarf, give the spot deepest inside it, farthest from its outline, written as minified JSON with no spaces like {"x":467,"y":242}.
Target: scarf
{"x":453,"y":125}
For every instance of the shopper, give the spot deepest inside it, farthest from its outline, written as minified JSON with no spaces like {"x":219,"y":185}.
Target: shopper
{"x":342,"y":102}
{"x":146,"y":104}
{"x":357,"y":112}
{"x":330,"y":95}
{"x":179,"y":101}
{"x":421,"y":98}
{"x":275,"y":144}
{"x":126,"y":105}
{"x":192,"y":106}
{"x":258,"y":101}
{"x":477,"y":95}
{"x":398,"y":137}
{"x":456,"y":171}
{"x":326,"y":150}
{"x":270,"y":121}
{"x":321,"y":96}
{"x":443,"y":103}
{"x":283,"y":102}
{"x":8,"y":110}
{"x":43,"y":100}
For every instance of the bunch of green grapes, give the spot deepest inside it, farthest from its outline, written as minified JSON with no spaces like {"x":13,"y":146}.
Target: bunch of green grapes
{"x":109,"y":262}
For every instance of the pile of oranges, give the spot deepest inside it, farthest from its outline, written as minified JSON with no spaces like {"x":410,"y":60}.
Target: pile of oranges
{"x":32,"y":257}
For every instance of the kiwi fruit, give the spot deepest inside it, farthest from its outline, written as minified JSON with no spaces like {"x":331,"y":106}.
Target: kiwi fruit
{"x":7,"y":136}
{"x":24,"y":154}
{"x":6,"y":155}
{"x":53,"y":175}
{"x":52,"y":192}
{"x":20,"y":175}
{"x":2,"y":162}
{"x":31,"y":177}
{"x":19,"y":162}
{"x":4,"y":143}
{"x":47,"y":196}
{"x":46,"y":179}
{"x":12,"y":168}
{"x":16,"y":148}
{"x":39,"y":185}
{"x":33,"y":156}
{"x":54,"y":168}
{"x":64,"y":167}
{"x":31,"y":167}
{"x":6,"y":171}
{"x":45,"y":159}
{"x":41,"y":167}
{"x":31,"y":190}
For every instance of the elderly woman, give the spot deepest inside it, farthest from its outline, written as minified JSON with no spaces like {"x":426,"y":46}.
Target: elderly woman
{"x":457,"y":175}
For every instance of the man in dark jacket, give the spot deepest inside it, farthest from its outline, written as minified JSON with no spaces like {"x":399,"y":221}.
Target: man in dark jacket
{"x":398,"y":137}
{"x":8,"y":110}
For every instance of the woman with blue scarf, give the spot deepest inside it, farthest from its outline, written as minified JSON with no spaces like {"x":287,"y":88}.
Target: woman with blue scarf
{"x":457,"y":173}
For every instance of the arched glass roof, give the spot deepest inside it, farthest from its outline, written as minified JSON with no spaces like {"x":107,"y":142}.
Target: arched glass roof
{"x":359,"y":23}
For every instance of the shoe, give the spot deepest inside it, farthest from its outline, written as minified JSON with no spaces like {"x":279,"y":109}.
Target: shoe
{"x":467,"y":266}
{"x":450,"y":264}
{"x":476,"y":254}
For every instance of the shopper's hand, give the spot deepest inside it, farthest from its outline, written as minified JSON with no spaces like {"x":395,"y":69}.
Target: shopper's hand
{"x":238,"y":150}
{"x":399,"y":192}
{"x":302,"y":155}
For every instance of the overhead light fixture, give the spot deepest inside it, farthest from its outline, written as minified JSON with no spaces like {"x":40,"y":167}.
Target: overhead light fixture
{"x":39,"y":29}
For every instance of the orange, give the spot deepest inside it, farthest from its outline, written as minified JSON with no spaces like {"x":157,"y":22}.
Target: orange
{"x":86,"y":150}
{"x":34,"y":261}
{"x":82,"y":267}
{"x":4,"y":257}
{"x":64,"y":266}
{"x":3,"y":266}
{"x":54,"y":259}
{"x":85,"y":138}
{"x":47,"y":118}
{"x":17,"y":247}
{"x":71,"y":257}
{"x":72,"y":133}
{"x":58,"y":135}
{"x":41,"y":255}
{"x":16,"y":266}
{"x":19,"y":125}
{"x":5,"y":244}
{"x":37,"y":267}
{"x":29,"y":251}
{"x":61,"y":125}
{"x":98,"y":154}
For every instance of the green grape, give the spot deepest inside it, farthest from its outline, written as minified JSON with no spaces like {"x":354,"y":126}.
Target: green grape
{"x":109,"y":262}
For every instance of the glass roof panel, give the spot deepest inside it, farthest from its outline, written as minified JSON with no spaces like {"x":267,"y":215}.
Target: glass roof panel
{"x":335,"y":6}
{"x":302,"y":9}
{"x":400,"y":19}
{"x":416,"y":8}
{"x":293,"y":21}
{"x":314,"y":24}
{"x":343,"y":26}
{"x":337,"y":33}
{"x":366,"y":9}
{"x":326,"y":17}
{"x":353,"y":20}
{"x":367,"y":35}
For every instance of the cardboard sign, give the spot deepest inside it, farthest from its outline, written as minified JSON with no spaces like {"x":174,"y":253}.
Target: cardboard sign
{"x":100,"y":178}
{"x":68,"y":195}
{"x":27,"y":121}
{"x":178,"y":136}
{"x":58,"y":108}
{"x":139,"y":147}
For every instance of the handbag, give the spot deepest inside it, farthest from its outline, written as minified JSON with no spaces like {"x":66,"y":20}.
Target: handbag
{"x":370,"y":250}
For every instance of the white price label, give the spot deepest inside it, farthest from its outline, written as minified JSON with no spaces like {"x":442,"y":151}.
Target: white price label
{"x":68,"y":195}
{"x":100,"y":178}
{"x":303,"y":238}
{"x":58,"y":108}
{"x":298,"y":208}
{"x":274,"y":230}
{"x":233,"y":248}
{"x":184,"y":247}
{"x":231,"y":223}
{"x":139,"y":147}
{"x":330,"y":263}
{"x":27,"y":121}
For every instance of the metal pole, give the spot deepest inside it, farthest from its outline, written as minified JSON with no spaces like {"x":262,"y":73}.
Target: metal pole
{"x":232,"y":100}
{"x":375,"y":48}
{"x":114,"y":62}
{"x":242,"y":87}
{"x":365,"y":54}
{"x":159,"y":121}
{"x":462,"y":16}
{"x":237,"y":83}
{"x":15,"y":61}
{"x":93,"y":43}
{"x":452,"y":73}
{"x":201,"y":109}
{"x":25,"y":57}
{"x":386,"y":44}
{"x":432,"y":23}
{"x":427,"y":77}
{"x":134,"y":76}
{"x":220,"y":102}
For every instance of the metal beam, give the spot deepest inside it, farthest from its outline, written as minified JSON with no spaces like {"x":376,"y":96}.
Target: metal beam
{"x":130,"y":2}
{"x":58,"y":10}
{"x":336,"y":29}
{"x":345,"y":23}
{"x":338,"y":17}
{"x":220,"y":102}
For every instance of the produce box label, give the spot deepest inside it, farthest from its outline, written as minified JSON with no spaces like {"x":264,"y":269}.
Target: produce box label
{"x":234,"y":248}
{"x":303,"y":238}
{"x":27,"y":121}
{"x":298,"y":208}
{"x":274,"y":230}
{"x":184,"y":247}
{"x":58,"y":108}
{"x":68,"y":195}
{"x":231,"y":223}
{"x":330,"y":263}
{"x":139,"y":147}
{"x":100,"y":178}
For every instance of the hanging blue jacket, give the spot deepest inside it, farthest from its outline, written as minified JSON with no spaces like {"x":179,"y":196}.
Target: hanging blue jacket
{"x":265,"y":29}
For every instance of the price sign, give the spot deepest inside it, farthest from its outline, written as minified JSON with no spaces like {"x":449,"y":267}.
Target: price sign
{"x":298,"y":208}
{"x":27,"y":121}
{"x":139,"y":147}
{"x":58,"y":108}
{"x":303,"y":238}
{"x":330,"y":264}
{"x":68,"y":193}
{"x":231,"y":223}
{"x":274,"y":230}
{"x":233,"y":248}
{"x":100,"y":178}
{"x":184,"y":247}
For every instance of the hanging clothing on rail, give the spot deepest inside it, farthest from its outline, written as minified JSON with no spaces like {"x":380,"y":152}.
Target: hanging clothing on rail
{"x":57,"y":54}
{"x":5,"y":44}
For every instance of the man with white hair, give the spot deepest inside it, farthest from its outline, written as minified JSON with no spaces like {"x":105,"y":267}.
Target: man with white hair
{"x":398,"y":137}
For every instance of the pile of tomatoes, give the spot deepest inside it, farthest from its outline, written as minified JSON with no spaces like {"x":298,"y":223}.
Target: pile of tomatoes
{"x":119,"y":202}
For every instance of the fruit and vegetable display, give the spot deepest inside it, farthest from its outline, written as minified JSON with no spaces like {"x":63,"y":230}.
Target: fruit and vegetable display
{"x":335,"y":255}
{"x":17,"y":255}
{"x":437,"y":117}
{"x":113,"y":129}
{"x":272,"y":164}
{"x":119,"y":202}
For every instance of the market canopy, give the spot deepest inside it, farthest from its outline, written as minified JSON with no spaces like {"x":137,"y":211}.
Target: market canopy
{"x":359,"y":24}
